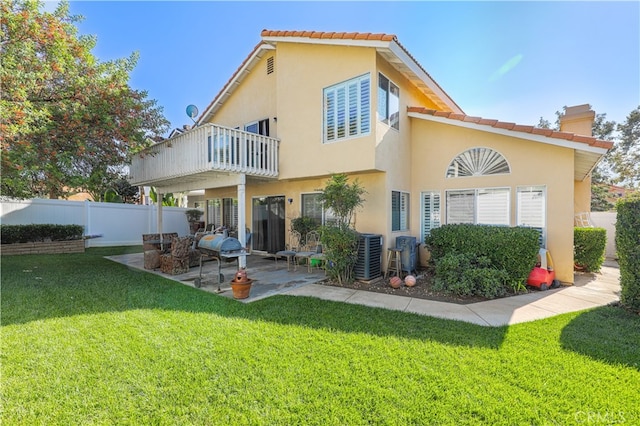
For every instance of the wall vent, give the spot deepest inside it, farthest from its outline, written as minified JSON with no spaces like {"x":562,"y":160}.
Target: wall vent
{"x":270,"y":65}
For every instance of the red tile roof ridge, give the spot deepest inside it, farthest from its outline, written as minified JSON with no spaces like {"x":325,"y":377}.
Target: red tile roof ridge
{"x":329,"y":35}
{"x":589,"y":140}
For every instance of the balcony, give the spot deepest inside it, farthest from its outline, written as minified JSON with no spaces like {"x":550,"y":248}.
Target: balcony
{"x":192,"y":159}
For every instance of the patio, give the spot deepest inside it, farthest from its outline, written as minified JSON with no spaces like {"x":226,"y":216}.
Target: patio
{"x":268,"y":279}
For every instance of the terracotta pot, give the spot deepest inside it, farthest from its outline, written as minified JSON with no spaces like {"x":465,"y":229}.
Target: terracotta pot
{"x":241,"y":290}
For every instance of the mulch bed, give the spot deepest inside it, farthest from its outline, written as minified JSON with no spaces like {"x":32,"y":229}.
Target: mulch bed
{"x":422,"y":290}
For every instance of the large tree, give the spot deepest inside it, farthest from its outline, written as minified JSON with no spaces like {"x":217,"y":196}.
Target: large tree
{"x":67,"y":119}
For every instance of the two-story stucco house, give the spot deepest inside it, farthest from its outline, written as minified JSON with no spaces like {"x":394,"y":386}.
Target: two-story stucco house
{"x":305,"y":105}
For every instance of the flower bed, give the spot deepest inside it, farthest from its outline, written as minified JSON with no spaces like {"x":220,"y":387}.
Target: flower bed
{"x":43,"y":247}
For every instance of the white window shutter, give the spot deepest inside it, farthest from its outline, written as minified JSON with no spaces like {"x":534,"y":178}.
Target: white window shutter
{"x":430,"y":212}
{"x":492,"y":207}
{"x":460,"y":206}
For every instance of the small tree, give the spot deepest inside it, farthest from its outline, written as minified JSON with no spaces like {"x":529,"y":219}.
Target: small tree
{"x":340,"y":239}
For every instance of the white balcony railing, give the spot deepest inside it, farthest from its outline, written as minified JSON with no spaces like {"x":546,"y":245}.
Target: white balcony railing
{"x":206,"y":148}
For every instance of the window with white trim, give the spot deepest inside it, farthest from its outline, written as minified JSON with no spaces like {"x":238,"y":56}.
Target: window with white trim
{"x":430,"y":212}
{"x":258,"y":127}
{"x":347,"y":108}
{"x":478,"y":162}
{"x":399,"y":211}
{"x":388,"y":102}
{"x":531,"y":206}
{"x":482,"y":206}
{"x":312,"y":207}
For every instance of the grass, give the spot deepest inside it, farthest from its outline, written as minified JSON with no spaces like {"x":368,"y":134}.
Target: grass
{"x":89,"y":341}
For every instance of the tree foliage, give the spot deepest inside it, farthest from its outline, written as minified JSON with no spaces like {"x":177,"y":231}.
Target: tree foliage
{"x":340,"y":240}
{"x":626,"y":153}
{"x":66,"y":118}
{"x":343,"y":198}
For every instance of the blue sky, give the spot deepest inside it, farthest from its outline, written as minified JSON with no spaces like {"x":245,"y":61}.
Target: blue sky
{"x":512,"y":61}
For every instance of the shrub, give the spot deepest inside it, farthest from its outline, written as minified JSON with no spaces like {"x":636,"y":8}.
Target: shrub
{"x":34,"y":233}
{"x":628,"y":247}
{"x":588,"y":248}
{"x":513,"y":250}
{"x":465,"y":274}
{"x":340,"y":244}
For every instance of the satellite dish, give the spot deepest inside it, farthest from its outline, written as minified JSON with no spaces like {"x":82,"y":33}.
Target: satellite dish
{"x":192,"y":111}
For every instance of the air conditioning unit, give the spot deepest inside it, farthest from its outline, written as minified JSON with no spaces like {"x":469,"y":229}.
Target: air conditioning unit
{"x":369,"y":262}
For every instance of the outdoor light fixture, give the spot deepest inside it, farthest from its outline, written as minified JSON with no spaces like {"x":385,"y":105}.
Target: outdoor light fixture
{"x":290,"y":200}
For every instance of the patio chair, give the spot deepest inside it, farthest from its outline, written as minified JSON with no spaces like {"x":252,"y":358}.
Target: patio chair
{"x":177,"y":260}
{"x":312,"y":241}
{"x":291,"y":249}
{"x":152,"y":251}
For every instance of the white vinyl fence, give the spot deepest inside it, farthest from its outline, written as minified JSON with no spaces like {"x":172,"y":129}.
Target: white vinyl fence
{"x":607,"y":220}
{"x":118,"y":224}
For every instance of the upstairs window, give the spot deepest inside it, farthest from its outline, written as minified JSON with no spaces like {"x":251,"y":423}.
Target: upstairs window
{"x":388,"y":102}
{"x":347,"y":109}
{"x":258,"y":127}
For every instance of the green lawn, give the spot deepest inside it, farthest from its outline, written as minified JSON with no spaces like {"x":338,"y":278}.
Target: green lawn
{"x":89,"y":341}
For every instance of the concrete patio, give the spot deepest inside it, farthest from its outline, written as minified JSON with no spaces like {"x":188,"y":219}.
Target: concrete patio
{"x":589,"y":291}
{"x":268,"y":278}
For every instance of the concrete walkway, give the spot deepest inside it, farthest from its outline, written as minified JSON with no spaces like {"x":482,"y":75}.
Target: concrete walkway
{"x":589,"y":291}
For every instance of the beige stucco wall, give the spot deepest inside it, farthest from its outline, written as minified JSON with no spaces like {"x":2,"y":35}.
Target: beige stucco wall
{"x":304,"y":70}
{"x":368,"y":219}
{"x":582,"y":195}
{"x":435,"y":145}
{"x":253,"y":100}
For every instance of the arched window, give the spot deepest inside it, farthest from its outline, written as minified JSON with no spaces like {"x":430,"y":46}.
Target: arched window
{"x":478,"y":162}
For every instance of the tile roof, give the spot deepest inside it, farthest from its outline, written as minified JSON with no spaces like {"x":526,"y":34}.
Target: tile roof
{"x":330,"y":35}
{"x":589,"y":140}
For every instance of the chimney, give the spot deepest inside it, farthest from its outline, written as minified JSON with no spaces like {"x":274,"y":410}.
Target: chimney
{"x":578,"y":119}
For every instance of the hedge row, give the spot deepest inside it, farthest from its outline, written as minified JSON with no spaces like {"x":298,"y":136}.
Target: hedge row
{"x":42,"y":232}
{"x":510,"y":250}
{"x":628,"y":248}
{"x":588,"y":248}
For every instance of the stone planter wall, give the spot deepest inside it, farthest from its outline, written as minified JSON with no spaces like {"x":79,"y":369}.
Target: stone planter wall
{"x":51,"y":247}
